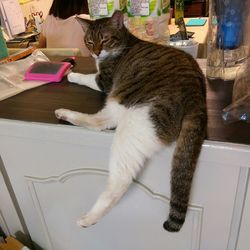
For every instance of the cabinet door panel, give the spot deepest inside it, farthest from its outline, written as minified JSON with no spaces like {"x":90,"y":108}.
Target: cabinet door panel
{"x":57,"y":172}
{"x":56,"y":179}
{"x":135,"y":223}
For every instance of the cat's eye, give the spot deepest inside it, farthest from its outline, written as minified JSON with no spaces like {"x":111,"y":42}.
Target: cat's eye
{"x":89,"y":42}
{"x":104,"y":41}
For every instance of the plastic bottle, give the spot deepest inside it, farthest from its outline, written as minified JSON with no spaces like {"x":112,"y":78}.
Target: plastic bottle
{"x":3,"y":46}
{"x":178,"y":10}
{"x":228,"y":44}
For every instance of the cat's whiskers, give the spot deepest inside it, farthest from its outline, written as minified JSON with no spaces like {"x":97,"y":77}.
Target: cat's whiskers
{"x":117,"y":51}
{"x":112,"y":53}
{"x":94,"y":55}
{"x":103,"y":54}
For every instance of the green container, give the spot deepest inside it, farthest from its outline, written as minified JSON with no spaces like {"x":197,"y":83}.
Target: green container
{"x":178,"y":10}
{"x":3,"y":46}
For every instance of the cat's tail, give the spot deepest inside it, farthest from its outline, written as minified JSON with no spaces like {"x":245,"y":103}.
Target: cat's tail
{"x":186,"y":153}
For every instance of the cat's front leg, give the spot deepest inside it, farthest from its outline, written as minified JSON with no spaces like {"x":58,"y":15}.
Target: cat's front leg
{"x":88,"y":80}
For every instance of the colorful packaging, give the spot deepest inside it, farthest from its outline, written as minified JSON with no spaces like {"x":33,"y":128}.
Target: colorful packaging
{"x":105,"y":8}
{"x":148,"y":19}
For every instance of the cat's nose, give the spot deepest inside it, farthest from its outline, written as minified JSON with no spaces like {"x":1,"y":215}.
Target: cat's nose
{"x":97,"y":52}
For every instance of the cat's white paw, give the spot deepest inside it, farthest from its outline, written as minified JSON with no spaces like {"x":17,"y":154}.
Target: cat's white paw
{"x":62,"y":114}
{"x":72,"y":77}
{"x":86,"y":220}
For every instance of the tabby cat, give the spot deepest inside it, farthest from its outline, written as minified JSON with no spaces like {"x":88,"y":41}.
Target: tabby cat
{"x":155,"y":95}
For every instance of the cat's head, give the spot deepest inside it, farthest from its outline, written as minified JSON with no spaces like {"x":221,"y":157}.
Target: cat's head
{"x":104,"y":37}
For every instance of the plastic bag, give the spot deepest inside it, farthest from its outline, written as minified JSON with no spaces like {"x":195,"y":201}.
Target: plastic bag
{"x":145,"y":19}
{"x":239,"y":110}
{"x":148,"y":20}
{"x":12,"y":75}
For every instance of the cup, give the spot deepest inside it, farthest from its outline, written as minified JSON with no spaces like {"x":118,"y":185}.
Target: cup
{"x":189,"y":46}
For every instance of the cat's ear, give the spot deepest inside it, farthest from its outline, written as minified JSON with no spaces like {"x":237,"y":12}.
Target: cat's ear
{"x":117,"y":19}
{"x":84,"y":22}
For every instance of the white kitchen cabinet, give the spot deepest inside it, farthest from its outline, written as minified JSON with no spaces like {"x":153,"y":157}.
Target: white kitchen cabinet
{"x":243,"y":239}
{"x":57,"y":171}
{"x":9,"y":219}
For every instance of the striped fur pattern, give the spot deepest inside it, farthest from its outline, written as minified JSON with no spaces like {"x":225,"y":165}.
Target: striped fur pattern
{"x":155,"y":95}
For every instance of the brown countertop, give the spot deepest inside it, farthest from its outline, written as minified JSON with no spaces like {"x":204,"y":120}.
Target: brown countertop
{"x":38,"y":105}
{"x":219,"y":94}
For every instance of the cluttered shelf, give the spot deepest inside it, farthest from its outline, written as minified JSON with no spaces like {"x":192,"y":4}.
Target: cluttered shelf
{"x":23,"y":40}
{"x":199,"y":35}
{"x":38,"y":104}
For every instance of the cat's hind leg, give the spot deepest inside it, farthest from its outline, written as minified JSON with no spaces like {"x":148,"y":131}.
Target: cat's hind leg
{"x":88,"y":80}
{"x":99,"y":121}
{"x":134,"y":142}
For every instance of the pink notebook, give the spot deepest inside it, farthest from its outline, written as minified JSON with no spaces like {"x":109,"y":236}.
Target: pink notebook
{"x":47,"y":71}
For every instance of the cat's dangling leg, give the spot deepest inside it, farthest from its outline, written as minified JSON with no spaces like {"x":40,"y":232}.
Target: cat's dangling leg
{"x":134,"y":142}
{"x":112,"y":194}
{"x":88,"y":80}
{"x":184,"y":161}
{"x":99,"y":121}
